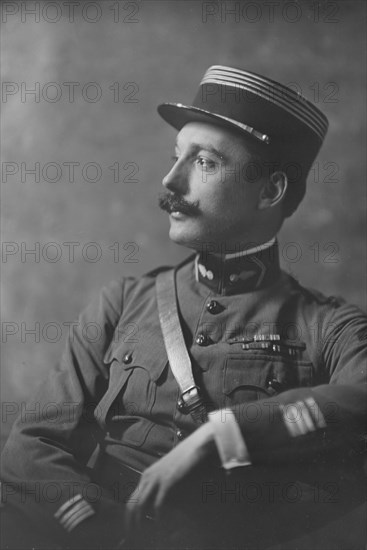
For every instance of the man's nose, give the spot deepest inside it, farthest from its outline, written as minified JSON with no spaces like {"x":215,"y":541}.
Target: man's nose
{"x":177,"y":179}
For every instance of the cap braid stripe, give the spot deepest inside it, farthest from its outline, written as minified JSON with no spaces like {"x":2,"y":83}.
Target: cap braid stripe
{"x":305,"y":116}
{"x":297,"y":101}
{"x":271,"y":89}
{"x":286,"y":107}
{"x":283,"y":92}
{"x":271,"y":84}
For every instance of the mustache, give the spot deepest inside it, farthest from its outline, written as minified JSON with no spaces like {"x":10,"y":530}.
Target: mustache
{"x":171,"y":202}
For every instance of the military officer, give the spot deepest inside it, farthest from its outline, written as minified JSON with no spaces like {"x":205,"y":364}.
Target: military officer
{"x":114,"y":457}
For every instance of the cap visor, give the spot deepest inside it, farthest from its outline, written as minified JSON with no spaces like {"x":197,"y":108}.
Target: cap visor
{"x":177,"y":115}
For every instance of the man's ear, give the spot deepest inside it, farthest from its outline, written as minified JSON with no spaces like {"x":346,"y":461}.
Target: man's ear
{"x":273,"y":191}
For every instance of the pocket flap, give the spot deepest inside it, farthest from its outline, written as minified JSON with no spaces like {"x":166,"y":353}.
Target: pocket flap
{"x":240,"y":373}
{"x":258,"y":371}
{"x":145,"y":350}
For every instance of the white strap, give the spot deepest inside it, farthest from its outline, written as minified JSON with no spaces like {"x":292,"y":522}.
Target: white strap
{"x":177,"y":353}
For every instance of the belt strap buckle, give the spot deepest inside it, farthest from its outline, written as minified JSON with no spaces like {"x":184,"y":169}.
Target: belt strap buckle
{"x":190,"y":401}
{"x":190,"y":398}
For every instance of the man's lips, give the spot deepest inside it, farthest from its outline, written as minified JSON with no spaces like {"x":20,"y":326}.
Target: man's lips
{"x":178,"y":210}
{"x":177,"y":215}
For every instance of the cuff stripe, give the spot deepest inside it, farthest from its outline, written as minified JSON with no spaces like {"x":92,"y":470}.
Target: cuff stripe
{"x":67,"y":505}
{"x":72,"y":512}
{"x":302,"y":417}
{"x":79,"y":506}
{"x":315,"y":412}
{"x":78,"y":518}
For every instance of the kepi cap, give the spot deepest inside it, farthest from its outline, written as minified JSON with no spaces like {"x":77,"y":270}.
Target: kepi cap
{"x":248,"y":102}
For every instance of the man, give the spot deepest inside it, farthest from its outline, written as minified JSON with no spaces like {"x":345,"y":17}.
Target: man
{"x":265,"y":449}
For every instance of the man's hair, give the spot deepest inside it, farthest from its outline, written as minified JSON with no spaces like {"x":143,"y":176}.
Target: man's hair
{"x":270,"y":159}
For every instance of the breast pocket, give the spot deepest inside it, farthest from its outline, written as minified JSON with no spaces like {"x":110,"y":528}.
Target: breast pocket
{"x":257,"y":375}
{"x":135,"y":371}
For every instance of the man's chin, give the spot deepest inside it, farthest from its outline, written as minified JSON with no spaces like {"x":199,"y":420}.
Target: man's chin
{"x":182,"y":239}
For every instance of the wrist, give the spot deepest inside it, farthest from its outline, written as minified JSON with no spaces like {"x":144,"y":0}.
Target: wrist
{"x":205,"y":439}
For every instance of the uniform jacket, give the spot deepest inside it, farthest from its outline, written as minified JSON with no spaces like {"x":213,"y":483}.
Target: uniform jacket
{"x":260,"y":344}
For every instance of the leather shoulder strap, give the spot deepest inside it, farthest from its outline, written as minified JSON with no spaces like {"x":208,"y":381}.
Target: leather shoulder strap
{"x":177,"y":353}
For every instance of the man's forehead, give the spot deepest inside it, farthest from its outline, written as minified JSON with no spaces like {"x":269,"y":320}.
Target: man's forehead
{"x":209,"y":136}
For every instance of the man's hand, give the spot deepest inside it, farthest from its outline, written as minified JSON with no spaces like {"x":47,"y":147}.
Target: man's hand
{"x":159,"y":481}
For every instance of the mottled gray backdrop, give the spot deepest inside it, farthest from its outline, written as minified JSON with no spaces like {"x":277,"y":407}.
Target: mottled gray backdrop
{"x":98,"y":70}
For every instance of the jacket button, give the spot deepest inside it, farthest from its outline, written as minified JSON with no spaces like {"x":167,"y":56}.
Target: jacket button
{"x":212,"y":306}
{"x":233,"y":278}
{"x":202,"y":340}
{"x":128,"y":357}
{"x":275,"y":385}
{"x":180,"y":435}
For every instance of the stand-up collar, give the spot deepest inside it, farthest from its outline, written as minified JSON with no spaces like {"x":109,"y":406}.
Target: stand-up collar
{"x":239,"y":272}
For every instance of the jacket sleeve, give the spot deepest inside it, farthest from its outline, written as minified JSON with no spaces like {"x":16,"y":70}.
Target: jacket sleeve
{"x":44,"y":463}
{"x":304,"y":422}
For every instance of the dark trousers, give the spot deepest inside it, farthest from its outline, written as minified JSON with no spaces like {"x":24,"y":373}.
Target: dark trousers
{"x":249,"y":509}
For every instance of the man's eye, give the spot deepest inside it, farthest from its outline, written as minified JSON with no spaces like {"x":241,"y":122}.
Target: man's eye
{"x":205,"y":164}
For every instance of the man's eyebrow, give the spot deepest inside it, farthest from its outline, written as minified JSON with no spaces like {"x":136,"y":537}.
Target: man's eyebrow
{"x":206,"y":147}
